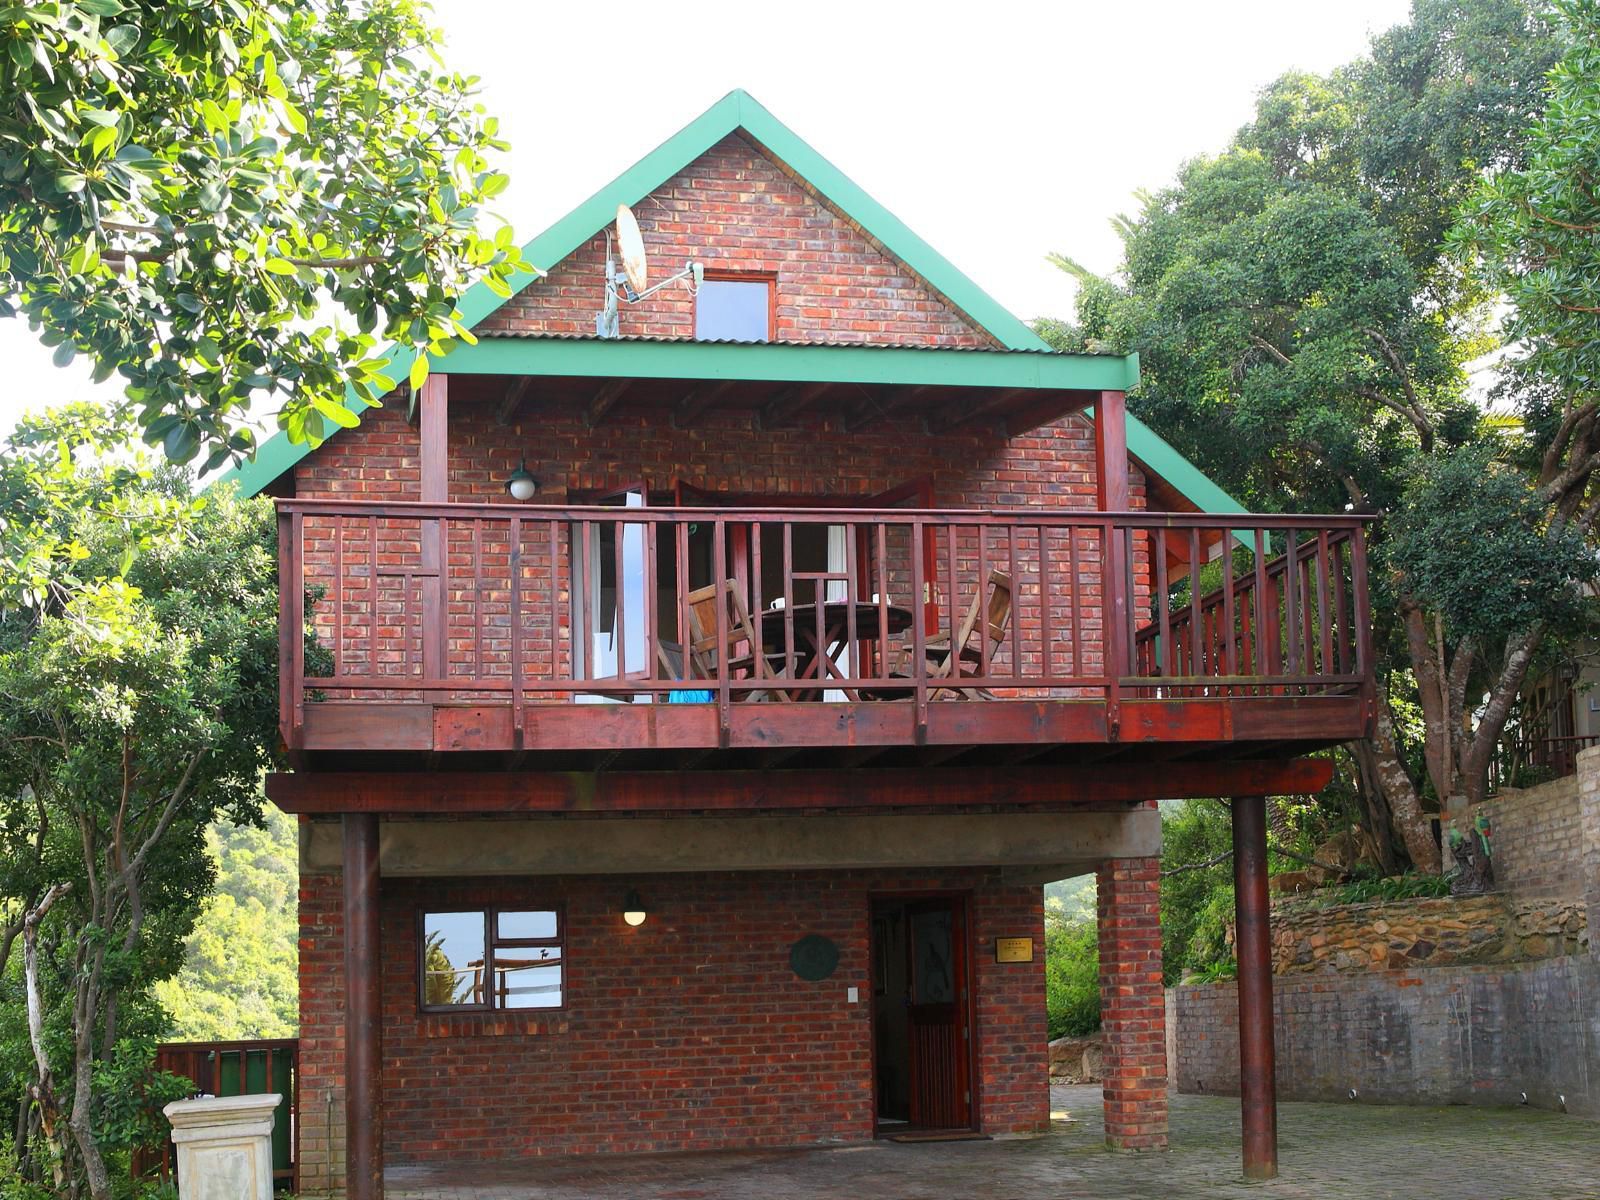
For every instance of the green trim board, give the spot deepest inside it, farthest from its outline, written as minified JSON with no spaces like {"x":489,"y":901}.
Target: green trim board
{"x":784,"y":362}
{"x":740,"y":111}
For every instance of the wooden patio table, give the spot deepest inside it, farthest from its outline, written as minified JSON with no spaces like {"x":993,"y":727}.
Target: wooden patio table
{"x":814,"y":655}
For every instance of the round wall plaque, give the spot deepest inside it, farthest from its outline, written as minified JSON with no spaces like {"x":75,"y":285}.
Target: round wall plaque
{"x":814,"y":957}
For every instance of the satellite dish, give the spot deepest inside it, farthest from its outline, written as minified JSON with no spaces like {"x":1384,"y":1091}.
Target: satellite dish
{"x":630,"y":244}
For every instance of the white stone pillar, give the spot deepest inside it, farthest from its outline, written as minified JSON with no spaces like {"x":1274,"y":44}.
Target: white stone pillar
{"x":224,"y":1146}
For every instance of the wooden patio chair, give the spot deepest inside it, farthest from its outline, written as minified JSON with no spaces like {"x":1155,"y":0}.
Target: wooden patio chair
{"x":742,"y":651}
{"x":993,"y":604}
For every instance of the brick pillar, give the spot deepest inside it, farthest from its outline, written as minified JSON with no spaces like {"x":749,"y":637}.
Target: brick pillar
{"x":1132,"y":1004}
{"x":320,"y":1124}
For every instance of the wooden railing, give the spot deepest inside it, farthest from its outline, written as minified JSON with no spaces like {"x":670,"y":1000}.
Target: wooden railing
{"x":1270,"y":622}
{"x":247,"y":1068}
{"x":525,"y":605}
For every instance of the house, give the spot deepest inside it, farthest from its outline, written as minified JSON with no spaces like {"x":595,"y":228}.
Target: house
{"x":690,"y":716}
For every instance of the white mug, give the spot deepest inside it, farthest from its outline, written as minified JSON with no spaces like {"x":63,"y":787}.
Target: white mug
{"x":776,"y":605}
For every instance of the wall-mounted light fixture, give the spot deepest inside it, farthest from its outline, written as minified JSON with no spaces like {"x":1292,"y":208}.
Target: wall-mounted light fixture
{"x":633,"y":909}
{"x":520,"y":484}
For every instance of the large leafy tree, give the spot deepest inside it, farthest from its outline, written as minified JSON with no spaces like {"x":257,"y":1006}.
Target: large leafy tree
{"x":137,"y":705}
{"x":230,"y":202}
{"x":1304,"y":335}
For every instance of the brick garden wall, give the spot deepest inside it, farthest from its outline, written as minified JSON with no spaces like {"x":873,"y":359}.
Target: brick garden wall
{"x":1537,"y":836}
{"x":688,"y":1032}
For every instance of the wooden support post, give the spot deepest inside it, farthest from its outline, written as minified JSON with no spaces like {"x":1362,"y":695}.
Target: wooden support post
{"x":363,"y":1010}
{"x":1111,"y":488}
{"x":433,"y":421}
{"x":1258,"y":1095}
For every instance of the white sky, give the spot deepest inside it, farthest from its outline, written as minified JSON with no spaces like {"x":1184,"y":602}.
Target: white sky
{"x":998,"y":131}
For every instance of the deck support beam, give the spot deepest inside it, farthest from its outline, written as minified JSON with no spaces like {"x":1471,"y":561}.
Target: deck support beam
{"x":1258,"y":1095}
{"x":363,"y":1010}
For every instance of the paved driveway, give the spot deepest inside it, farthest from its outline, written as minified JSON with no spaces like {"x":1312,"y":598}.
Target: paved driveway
{"x":1326,"y":1151}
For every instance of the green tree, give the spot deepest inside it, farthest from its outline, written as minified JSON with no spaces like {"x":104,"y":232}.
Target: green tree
{"x":1304,"y":335}
{"x":1533,"y":229}
{"x":1071,"y":974}
{"x":227,"y":201}
{"x":240,"y":965}
{"x":137,"y":704}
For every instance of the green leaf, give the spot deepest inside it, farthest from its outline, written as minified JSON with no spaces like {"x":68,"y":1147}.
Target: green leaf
{"x":419,"y":371}
{"x":101,"y":8}
{"x":281,"y":266}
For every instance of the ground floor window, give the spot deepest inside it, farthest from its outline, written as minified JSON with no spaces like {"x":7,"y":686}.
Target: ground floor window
{"x":491,"y":959}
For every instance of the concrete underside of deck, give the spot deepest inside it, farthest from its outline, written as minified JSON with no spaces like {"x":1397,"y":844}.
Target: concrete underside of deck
{"x":1330,"y":1152}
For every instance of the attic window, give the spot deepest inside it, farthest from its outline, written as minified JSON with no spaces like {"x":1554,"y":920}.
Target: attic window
{"x":735,"y":307}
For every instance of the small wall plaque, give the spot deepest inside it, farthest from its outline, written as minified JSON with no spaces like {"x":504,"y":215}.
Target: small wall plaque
{"x":1013,"y":949}
{"x":814,"y":957}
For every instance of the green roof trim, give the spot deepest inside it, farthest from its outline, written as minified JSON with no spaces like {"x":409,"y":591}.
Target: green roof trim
{"x":787,"y":361}
{"x":740,"y":111}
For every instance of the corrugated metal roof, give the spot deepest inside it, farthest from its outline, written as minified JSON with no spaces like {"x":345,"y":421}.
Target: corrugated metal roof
{"x":543,"y":335}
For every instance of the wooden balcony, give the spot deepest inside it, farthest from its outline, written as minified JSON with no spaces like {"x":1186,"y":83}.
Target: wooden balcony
{"x":578,"y":638}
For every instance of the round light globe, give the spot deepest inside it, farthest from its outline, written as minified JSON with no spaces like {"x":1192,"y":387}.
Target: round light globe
{"x":634,"y":918}
{"x":520,"y":484}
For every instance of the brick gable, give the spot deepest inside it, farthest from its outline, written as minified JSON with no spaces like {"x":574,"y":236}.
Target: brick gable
{"x":734,"y":208}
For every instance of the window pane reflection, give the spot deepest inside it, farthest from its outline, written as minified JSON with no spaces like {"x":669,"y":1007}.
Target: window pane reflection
{"x":453,"y":955}
{"x":525,"y":925}
{"x":523,"y":979}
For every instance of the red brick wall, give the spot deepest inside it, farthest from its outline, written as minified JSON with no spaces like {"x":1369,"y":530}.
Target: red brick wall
{"x":1132,"y":1003}
{"x":735,"y":209}
{"x":689,"y":1032}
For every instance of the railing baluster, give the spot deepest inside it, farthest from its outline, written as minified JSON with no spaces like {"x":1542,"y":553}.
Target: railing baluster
{"x":719,"y":568}
{"x":852,"y":593}
{"x":591,"y":584}
{"x":1324,"y":613}
{"x":1075,"y":606}
{"x":1197,"y":666}
{"x":686,"y":638}
{"x":880,"y":535}
{"x":619,"y":535}
{"x":1230,"y":647}
{"x":477,"y":598}
{"x":652,"y":634}
{"x":919,"y":656}
{"x":555,"y":597}
{"x":338,"y":596}
{"x":981,"y":598}
{"x":1341,"y":618}
{"x":1047,"y":642}
{"x":1016,"y":605}
{"x":1166,"y":660}
{"x":1263,"y":639}
{"x":789,"y":599}
{"x":372,"y":591}
{"x":514,"y":622}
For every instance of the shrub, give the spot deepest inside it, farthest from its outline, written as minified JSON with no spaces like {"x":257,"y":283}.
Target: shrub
{"x":1071,"y":976}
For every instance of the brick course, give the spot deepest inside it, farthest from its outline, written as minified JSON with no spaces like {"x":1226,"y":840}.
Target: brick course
{"x":688,"y":1032}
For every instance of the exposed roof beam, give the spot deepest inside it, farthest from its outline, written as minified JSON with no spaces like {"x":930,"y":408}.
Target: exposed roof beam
{"x":789,"y":402}
{"x":600,"y":404}
{"x":884,"y":404}
{"x":960,"y":414}
{"x":515,"y":395}
{"x":697,"y":399}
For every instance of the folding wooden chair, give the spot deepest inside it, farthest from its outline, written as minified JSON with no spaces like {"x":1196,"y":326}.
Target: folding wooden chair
{"x":968,"y":657}
{"x":742,"y":650}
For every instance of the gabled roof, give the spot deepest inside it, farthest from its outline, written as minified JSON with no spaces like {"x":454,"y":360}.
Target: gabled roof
{"x":739,"y":111}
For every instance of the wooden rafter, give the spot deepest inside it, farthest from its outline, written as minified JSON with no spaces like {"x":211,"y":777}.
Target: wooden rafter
{"x":886,"y":404}
{"x":698,"y":399}
{"x":961,"y":413}
{"x":790,"y":402}
{"x":512,"y":404}
{"x":601,"y":402}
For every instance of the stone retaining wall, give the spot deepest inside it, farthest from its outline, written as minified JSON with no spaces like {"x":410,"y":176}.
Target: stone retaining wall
{"x":1441,"y":1035}
{"x":1537,"y":836}
{"x":1423,"y":933}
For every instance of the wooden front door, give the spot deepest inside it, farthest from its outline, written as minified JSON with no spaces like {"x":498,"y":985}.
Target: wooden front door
{"x":937,"y":1014}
